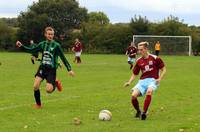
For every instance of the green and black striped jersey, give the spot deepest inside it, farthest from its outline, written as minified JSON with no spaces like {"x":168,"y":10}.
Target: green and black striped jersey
{"x":50,"y":52}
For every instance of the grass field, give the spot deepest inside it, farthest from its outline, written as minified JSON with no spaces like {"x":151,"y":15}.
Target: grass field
{"x":96,"y":86}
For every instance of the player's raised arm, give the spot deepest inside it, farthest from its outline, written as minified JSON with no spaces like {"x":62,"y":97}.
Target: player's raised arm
{"x":32,"y":49}
{"x":65,"y":62}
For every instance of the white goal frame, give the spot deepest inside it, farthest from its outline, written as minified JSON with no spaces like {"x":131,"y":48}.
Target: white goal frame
{"x":163,"y":36}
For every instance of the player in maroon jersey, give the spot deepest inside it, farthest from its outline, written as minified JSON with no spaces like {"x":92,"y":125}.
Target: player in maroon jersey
{"x":77,"y":48}
{"x":131,"y":52}
{"x":153,"y":69}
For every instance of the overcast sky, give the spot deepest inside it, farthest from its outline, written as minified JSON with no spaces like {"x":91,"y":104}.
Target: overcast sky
{"x":123,"y":10}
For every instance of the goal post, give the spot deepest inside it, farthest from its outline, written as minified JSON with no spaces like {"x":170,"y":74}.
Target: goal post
{"x":170,"y":45}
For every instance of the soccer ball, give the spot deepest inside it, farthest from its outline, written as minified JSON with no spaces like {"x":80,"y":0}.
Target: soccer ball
{"x":105,"y":115}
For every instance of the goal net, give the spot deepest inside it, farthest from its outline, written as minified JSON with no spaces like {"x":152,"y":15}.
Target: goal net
{"x":170,"y":45}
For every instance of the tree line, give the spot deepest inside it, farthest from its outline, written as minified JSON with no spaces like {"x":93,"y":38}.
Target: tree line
{"x":94,"y":29}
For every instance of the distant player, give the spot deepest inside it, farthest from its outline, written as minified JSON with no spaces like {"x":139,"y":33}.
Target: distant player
{"x":131,"y":52}
{"x":77,"y":48}
{"x":34,"y":56}
{"x":153,"y":69}
{"x":157,"y":48}
{"x":50,"y":50}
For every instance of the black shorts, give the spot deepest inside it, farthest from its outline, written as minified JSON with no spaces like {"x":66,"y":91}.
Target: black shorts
{"x":47,"y":73}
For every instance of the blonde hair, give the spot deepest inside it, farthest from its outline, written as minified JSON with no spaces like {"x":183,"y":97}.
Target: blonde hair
{"x":145,"y":44}
{"x":48,"y":29}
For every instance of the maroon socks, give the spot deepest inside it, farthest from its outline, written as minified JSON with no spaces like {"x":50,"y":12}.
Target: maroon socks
{"x":135,"y":103}
{"x":147,"y":103}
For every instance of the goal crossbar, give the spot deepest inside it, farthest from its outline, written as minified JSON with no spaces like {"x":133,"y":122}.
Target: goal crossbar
{"x":163,"y":36}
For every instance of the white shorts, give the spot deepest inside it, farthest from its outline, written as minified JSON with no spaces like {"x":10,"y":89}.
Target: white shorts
{"x":132,"y":60}
{"x":144,"y":84}
{"x":78,"y":54}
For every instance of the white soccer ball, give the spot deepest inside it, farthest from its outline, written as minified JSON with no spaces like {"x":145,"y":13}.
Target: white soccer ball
{"x":105,"y":115}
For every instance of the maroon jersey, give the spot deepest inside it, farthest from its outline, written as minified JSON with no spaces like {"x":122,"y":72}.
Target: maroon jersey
{"x":77,"y":47}
{"x":149,"y":67}
{"x":132,"y":50}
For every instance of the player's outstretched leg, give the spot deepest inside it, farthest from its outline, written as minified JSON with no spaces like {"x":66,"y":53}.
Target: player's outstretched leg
{"x":37,"y":92}
{"x":59,"y":85}
{"x":37,"y":105}
{"x":146,"y":103}
{"x":131,"y":65}
{"x":79,"y":59}
{"x":146,"y":106}
{"x":135,"y":104}
{"x":75,"y":60}
{"x":32,"y":60}
{"x":134,"y":101}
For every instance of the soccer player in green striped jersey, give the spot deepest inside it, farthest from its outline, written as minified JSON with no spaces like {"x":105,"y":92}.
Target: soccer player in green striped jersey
{"x":50,"y":50}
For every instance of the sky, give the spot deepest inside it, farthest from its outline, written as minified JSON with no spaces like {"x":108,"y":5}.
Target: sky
{"x":123,"y":10}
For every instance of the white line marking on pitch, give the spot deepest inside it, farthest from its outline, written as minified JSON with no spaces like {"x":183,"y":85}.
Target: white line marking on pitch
{"x":21,"y":105}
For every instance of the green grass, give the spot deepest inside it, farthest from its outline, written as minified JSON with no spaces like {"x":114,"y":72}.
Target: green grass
{"x":96,"y":86}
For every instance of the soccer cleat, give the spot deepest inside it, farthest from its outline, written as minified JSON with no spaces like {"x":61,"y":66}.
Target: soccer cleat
{"x":36,"y":106}
{"x":138,"y":114}
{"x":143,"y":116}
{"x":59,"y":85}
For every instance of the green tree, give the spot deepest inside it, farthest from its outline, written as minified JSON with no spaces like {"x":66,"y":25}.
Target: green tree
{"x":111,"y":38}
{"x":115,"y":38}
{"x":90,"y":33}
{"x":195,"y":33}
{"x":12,"y":22}
{"x":98,"y":17}
{"x":172,"y":26}
{"x":62,"y":15}
{"x":139,"y":25}
{"x":7,"y":36}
